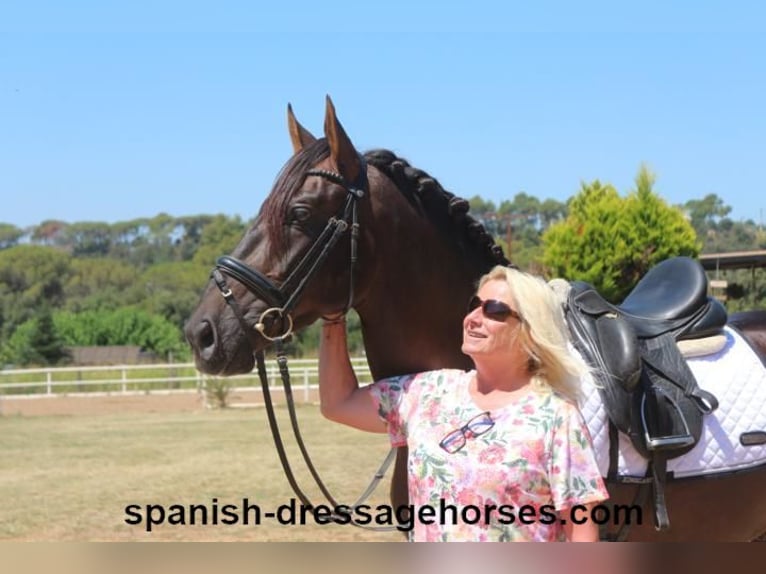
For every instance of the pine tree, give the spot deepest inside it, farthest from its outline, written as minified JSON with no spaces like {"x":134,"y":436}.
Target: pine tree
{"x":46,"y":346}
{"x":611,"y":242}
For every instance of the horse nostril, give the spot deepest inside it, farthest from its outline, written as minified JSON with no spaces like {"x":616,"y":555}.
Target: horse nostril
{"x":205,"y":337}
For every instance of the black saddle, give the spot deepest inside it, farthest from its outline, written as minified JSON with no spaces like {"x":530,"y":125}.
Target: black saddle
{"x":671,"y":297}
{"x":648,"y":390}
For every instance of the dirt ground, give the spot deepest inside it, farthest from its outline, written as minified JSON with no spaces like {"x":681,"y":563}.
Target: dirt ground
{"x":139,"y":403}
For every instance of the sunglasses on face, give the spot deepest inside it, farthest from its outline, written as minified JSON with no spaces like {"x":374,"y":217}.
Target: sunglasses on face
{"x":492,"y":309}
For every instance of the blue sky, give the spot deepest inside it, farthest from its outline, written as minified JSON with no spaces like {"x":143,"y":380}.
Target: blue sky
{"x":113,"y":111}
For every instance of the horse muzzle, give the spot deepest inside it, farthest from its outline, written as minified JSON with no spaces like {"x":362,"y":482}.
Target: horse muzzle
{"x":216,"y":352}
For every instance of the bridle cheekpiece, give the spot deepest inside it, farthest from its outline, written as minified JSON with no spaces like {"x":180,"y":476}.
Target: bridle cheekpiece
{"x":283,"y":298}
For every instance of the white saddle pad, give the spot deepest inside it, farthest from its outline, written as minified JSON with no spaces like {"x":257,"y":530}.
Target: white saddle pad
{"x":737,"y":378}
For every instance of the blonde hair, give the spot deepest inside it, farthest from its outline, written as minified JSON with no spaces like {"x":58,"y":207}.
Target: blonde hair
{"x":543,"y":333}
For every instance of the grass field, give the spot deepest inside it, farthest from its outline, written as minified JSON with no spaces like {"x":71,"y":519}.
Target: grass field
{"x":70,"y":478}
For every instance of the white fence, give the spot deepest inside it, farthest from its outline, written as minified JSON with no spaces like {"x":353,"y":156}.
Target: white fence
{"x":156,"y":379}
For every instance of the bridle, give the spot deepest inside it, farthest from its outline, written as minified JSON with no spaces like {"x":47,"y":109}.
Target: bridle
{"x":282,"y":300}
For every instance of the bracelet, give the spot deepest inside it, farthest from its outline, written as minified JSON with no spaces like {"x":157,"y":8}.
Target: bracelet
{"x":336,"y":321}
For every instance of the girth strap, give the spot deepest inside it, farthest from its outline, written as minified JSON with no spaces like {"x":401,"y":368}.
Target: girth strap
{"x":658,"y":465}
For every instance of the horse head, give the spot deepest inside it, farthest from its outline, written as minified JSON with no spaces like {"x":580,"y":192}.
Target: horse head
{"x":323,"y":184}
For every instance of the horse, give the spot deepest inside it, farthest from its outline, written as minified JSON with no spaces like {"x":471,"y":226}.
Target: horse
{"x":413,"y":255}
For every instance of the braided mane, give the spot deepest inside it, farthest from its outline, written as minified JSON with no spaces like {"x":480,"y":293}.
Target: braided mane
{"x":444,"y":209}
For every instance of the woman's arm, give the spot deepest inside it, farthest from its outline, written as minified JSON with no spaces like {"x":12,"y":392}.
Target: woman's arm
{"x":574,"y":473}
{"x":340,"y":397}
{"x":587,"y":532}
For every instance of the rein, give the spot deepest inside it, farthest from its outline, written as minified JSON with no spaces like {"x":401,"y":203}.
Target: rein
{"x":282,"y":300}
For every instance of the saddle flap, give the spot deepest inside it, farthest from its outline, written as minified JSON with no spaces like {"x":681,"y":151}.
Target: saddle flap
{"x":609,"y":346}
{"x":667,"y":413}
{"x":600,"y":332}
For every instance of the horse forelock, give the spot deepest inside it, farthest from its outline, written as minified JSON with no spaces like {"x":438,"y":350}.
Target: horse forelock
{"x":287,"y":184}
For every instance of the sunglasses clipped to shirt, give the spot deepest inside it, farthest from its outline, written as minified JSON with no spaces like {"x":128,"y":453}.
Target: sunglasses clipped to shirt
{"x":454,"y":440}
{"x":493,"y":309}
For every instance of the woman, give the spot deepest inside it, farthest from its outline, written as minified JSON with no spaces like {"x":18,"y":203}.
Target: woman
{"x":497,"y":453}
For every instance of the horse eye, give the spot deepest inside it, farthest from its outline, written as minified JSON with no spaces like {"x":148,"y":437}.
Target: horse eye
{"x":299,"y":214}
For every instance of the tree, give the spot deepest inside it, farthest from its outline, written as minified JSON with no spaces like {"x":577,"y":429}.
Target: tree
{"x":611,"y":242}
{"x":552,"y":211}
{"x":478,"y":206}
{"x":31,"y":277}
{"x":192,"y":226}
{"x":574,"y":248}
{"x":522,"y":205}
{"x":36,"y":342}
{"x":707,"y":212}
{"x":517,"y":225}
{"x":89,"y":238}
{"x":127,"y":236}
{"x":125,"y":326}
{"x":9,"y":235}
{"x":155,"y":245}
{"x":45,"y":341}
{"x":100,"y":283}
{"x":218,"y":237}
{"x":658,"y":229}
{"x":172,"y":290}
{"x":50,"y":232}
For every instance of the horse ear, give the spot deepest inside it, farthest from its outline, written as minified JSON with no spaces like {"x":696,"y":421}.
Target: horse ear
{"x":342,"y":150}
{"x":299,"y":135}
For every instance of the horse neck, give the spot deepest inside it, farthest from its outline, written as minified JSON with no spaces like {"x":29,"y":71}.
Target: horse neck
{"x":412,"y":314}
{"x":412,"y":327}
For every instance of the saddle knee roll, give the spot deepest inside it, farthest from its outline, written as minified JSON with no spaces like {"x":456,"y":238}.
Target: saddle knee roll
{"x":619,"y":350}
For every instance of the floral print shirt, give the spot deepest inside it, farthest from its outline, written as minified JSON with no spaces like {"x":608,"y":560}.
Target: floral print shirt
{"x":513,"y":482}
